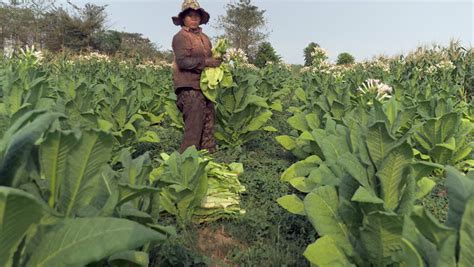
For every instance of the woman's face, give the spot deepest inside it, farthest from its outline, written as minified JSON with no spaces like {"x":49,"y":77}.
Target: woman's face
{"x":192,"y":19}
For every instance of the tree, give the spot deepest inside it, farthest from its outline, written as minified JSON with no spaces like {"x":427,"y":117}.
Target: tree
{"x":107,"y":41}
{"x":265,"y":53}
{"x":308,"y":58}
{"x":345,"y":58}
{"x":244,"y":25}
{"x":134,"y":44}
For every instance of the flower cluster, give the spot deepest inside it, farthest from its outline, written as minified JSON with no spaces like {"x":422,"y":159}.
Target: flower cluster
{"x":444,"y":65}
{"x":95,"y":56}
{"x":375,"y":86}
{"x":31,"y":53}
{"x":318,"y":56}
{"x":236,"y":54}
{"x":156,"y":66}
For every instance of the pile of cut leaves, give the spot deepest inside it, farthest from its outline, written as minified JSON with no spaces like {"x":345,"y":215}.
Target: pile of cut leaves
{"x":197,"y":189}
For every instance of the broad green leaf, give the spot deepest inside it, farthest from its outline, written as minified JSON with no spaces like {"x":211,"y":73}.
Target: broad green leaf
{"x":120,"y":113}
{"x":313,"y":121}
{"x":460,"y":188}
{"x":129,"y":192}
{"x":382,"y":237}
{"x":129,"y":258}
{"x":53,"y":156}
{"x":301,"y":168}
{"x":270,"y":129}
{"x":326,"y":253}
{"x":365,"y":196}
{"x":466,"y":235}
{"x":86,"y":159}
{"x":352,"y":165}
{"x":443,"y":237}
{"x":379,"y":142}
{"x":292,"y":203}
{"x":149,"y":137}
{"x":301,"y":184}
{"x":77,"y":242}
{"x":277,"y":106}
{"x":410,"y":256}
{"x":321,"y":207}
{"x":323,"y":175}
{"x":17,"y":144}
{"x":298,"y":122}
{"x":300,"y":94}
{"x":424,"y":187}
{"x":392,"y":174}
{"x":257,"y":122}
{"x":18,"y":211}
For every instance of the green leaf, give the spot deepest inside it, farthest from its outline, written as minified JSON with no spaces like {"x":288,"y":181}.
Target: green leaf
{"x":300,"y":94}
{"x":410,"y":256}
{"x":352,"y":165}
{"x":292,"y":203}
{"x":424,"y":187}
{"x":365,"y":196}
{"x":301,"y":184}
{"x":78,"y":242}
{"x":466,"y":233}
{"x":257,"y":122}
{"x":149,"y":137}
{"x":86,"y":159}
{"x":460,"y":188}
{"x":325,"y":252}
{"x":129,"y":258}
{"x":53,"y":156}
{"x":286,"y":141}
{"x":298,"y":122}
{"x":129,"y":192}
{"x":270,"y":129}
{"x":19,"y":139}
{"x":382,"y":237}
{"x":301,"y":168}
{"x":321,"y":207}
{"x":443,"y":237}
{"x":277,"y":106}
{"x":18,"y":211}
{"x":379,"y":142}
{"x":392,"y":174}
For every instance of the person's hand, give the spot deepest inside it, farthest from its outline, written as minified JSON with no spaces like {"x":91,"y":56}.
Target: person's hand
{"x":213,"y":62}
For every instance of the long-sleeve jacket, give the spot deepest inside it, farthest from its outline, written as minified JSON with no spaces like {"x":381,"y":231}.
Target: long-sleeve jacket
{"x":191,"y":48}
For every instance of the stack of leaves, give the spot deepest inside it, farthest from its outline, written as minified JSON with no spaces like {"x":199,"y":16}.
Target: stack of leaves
{"x":223,"y":194}
{"x":194,"y":188}
{"x":218,"y":77}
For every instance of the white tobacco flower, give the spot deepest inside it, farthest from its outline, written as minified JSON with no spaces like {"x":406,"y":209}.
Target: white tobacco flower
{"x":445,"y":65}
{"x":236,"y":55}
{"x":375,"y":86}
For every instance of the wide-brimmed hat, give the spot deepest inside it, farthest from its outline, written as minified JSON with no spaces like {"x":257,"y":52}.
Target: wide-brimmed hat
{"x":194,"y":5}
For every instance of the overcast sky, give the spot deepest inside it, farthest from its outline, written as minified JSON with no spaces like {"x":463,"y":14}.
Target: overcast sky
{"x":362,"y":28}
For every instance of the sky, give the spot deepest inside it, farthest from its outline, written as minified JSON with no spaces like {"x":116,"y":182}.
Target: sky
{"x":362,"y":28}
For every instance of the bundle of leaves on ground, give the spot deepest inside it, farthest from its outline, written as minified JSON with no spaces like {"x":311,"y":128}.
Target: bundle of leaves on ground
{"x":194,"y":188}
{"x":218,"y":77}
{"x":223,"y":194}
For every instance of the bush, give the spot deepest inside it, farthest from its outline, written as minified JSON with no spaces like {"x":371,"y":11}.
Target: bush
{"x":344,"y":59}
{"x":265,"y":53}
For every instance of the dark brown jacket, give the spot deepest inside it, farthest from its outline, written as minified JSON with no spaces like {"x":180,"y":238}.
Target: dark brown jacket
{"x":190,"y":48}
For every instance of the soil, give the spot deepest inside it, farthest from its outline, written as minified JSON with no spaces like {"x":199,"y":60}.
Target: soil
{"x":216,"y":244}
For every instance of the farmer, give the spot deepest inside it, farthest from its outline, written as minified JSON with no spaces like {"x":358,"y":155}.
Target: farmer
{"x":192,"y":53}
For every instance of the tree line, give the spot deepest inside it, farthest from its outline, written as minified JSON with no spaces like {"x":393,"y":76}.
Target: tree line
{"x":77,"y":29}
{"x":69,"y":28}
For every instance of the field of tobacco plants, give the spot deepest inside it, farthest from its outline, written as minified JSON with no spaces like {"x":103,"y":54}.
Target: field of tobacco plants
{"x":370,"y":164}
